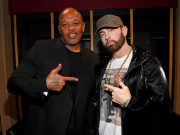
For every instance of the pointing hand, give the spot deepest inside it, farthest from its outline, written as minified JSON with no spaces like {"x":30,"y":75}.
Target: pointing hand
{"x":55,"y":81}
{"x":120,"y":95}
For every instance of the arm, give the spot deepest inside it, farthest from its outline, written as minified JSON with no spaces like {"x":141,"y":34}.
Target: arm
{"x":148,"y":91}
{"x":24,"y":79}
{"x":34,"y":77}
{"x":154,"y":94}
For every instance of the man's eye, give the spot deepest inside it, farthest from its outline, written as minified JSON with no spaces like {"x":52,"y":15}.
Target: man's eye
{"x":76,"y":23}
{"x":101,"y":35}
{"x":64,"y":25}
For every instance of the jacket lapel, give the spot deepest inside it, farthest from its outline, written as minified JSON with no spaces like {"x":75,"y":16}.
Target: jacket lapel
{"x":62,"y":58}
{"x":83,"y":75}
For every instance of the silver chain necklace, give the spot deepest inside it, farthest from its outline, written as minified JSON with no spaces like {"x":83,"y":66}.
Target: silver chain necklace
{"x":117,"y":76}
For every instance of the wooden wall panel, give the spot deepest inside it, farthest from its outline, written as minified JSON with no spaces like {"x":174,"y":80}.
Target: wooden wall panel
{"x":131,"y":27}
{"x":177,"y":63}
{"x":7,"y":101}
{"x":170,"y":51}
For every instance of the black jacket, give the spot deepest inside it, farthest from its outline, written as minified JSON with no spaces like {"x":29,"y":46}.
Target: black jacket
{"x":50,"y":115}
{"x":150,"y":106}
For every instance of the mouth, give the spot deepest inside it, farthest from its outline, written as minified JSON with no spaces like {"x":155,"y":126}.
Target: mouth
{"x":110,"y":44}
{"x":72,"y":35}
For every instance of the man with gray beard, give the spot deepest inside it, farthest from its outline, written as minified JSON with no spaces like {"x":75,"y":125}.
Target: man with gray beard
{"x":57,"y":79}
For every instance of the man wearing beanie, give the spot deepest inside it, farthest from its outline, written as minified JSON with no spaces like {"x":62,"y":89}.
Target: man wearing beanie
{"x":132,"y":85}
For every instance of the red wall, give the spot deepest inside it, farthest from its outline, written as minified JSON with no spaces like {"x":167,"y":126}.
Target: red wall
{"x":29,"y":6}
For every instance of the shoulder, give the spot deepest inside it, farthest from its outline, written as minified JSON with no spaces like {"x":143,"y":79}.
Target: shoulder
{"x":143,"y":53}
{"x":153,"y":68}
{"x":143,"y":56}
{"x":91,"y":55}
{"x":46,"y":43}
{"x":87,"y":50}
{"x":148,"y":61}
{"x":42,"y":47}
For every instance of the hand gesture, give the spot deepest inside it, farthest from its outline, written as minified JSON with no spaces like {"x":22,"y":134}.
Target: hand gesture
{"x":121,"y":95}
{"x":55,"y":81}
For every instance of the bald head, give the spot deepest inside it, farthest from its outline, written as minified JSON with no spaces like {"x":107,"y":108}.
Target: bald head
{"x":71,"y":11}
{"x":71,"y":26}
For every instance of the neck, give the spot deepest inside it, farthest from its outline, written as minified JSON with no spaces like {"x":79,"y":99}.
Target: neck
{"x":125,"y":49}
{"x":75,"y":48}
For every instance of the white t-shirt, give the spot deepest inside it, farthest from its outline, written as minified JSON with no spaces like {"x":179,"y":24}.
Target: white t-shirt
{"x":110,"y":113}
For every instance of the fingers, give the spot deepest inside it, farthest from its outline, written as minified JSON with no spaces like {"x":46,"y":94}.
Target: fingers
{"x":55,"y":81}
{"x":57,"y":69}
{"x":112,"y":88}
{"x":57,"y":87}
{"x":58,"y":81}
{"x":109,"y":87}
{"x":120,"y":95}
{"x":66,"y":78}
{"x":122,"y":84}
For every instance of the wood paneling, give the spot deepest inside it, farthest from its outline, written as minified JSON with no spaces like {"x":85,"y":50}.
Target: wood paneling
{"x":91,"y":30}
{"x":170,"y":51}
{"x":131,"y":27}
{"x":52,"y":25}
{"x":176,"y":64}
{"x":7,"y":101}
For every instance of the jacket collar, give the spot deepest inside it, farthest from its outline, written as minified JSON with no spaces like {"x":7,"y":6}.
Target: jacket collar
{"x":61,"y":57}
{"x":139,"y":57}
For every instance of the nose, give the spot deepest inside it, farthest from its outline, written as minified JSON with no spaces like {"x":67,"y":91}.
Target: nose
{"x":70,"y":27}
{"x":107,"y":35}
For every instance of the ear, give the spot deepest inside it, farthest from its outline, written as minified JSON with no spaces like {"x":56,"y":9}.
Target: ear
{"x":124,"y":31}
{"x":59,"y":29}
{"x":83,"y":27}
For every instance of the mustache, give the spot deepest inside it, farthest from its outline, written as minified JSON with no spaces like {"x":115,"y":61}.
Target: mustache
{"x":110,"y":42}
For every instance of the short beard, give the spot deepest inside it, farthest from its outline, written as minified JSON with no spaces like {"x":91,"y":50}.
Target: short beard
{"x":118,"y":44}
{"x":70,"y":43}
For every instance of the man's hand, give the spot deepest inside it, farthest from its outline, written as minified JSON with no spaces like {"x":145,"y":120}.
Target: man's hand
{"x":55,"y":81}
{"x":119,"y":95}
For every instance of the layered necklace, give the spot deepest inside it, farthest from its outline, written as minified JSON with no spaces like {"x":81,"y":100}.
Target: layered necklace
{"x":117,"y":76}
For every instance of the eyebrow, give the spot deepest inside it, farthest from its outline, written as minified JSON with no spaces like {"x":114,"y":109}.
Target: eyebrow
{"x":101,"y":32}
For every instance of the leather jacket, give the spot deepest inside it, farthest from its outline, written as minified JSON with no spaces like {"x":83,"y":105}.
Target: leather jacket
{"x":149,"y":107}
